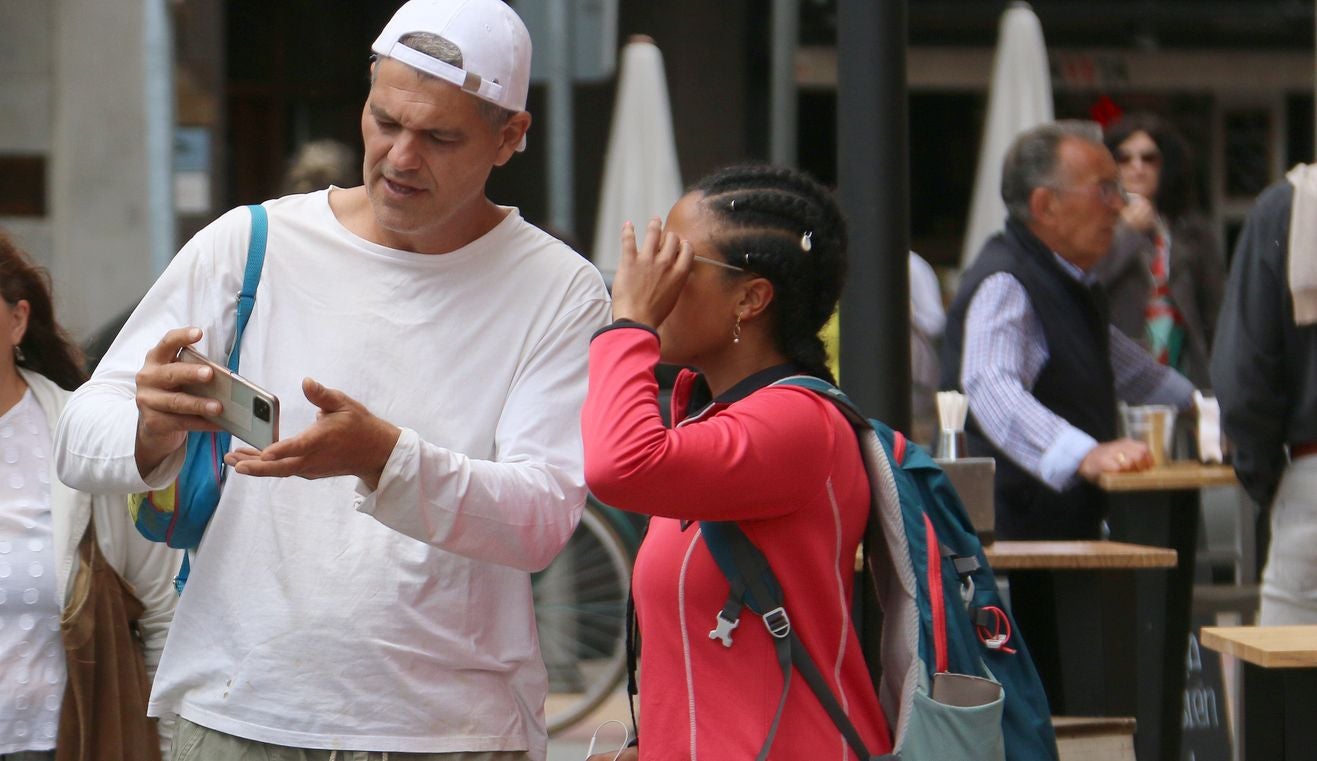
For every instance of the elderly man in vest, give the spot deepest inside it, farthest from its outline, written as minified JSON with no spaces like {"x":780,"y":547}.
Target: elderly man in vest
{"x":1030,"y":344}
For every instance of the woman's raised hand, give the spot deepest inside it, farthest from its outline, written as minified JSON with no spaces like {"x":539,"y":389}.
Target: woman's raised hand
{"x":650,"y":276}
{"x":1139,"y":213}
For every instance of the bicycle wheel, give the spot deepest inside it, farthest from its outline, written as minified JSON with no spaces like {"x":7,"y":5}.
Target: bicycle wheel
{"x":580,"y":612}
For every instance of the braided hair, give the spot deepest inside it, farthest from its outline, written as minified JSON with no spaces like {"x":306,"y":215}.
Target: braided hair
{"x":46,"y":347}
{"x":780,"y":224}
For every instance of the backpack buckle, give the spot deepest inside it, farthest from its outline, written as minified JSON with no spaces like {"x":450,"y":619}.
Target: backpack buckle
{"x":723,"y":629}
{"x":777,"y":622}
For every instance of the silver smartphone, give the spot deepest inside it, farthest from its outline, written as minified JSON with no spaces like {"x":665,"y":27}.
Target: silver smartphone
{"x":250,"y":412}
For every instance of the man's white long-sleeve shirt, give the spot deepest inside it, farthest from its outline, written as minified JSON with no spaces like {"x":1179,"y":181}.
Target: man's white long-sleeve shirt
{"x":320,"y":614}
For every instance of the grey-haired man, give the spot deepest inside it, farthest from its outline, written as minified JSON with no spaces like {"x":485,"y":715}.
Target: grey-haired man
{"x":1030,"y":343}
{"x":429,"y":349}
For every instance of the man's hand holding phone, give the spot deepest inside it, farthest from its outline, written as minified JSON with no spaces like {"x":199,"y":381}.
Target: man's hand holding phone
{"x":165,"y":413}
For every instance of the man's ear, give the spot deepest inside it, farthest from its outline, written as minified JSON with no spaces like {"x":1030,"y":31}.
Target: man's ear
{"x":756,"y":295}
{"x":1040,"y":204}
{"x":510,"y":136}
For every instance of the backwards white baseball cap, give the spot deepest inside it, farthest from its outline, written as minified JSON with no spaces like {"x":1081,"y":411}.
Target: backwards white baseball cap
{"x":494,"y":43}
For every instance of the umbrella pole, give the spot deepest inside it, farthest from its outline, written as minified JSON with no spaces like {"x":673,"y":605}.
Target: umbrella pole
{"x":562,"y":212}
{"x":874,"y":190}
{"x":782,"y":121}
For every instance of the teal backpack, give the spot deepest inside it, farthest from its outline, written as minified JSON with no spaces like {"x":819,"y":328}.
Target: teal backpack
{"x":956,"y":679}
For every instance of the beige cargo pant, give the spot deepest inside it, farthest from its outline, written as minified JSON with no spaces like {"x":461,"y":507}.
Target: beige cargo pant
{"x":193,"y":742}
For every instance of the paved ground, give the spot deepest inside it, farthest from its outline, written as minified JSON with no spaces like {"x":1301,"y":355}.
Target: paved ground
{"x":572,"y":743}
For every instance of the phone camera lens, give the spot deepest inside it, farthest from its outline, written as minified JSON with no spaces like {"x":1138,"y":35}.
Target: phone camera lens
{"x":261,"y":409}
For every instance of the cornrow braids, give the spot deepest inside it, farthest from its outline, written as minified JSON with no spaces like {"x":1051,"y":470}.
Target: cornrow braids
{"x":780,"y":224}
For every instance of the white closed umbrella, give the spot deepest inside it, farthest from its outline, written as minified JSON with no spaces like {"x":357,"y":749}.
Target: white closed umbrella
{"x":1019,"y":97}
{"x":641,"y":176}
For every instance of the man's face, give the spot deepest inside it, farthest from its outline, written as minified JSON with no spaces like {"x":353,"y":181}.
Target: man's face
{"x":428,"y":155}
{"x":1078,"y":216}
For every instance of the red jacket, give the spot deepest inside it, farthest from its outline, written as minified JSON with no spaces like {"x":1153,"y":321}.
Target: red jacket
{"x":786,"y":466}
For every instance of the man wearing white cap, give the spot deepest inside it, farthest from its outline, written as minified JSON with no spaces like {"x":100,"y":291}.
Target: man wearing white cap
{"x":429,"y":351}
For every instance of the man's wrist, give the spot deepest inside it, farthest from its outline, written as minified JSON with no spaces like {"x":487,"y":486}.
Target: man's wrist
{"x":388,"y":441}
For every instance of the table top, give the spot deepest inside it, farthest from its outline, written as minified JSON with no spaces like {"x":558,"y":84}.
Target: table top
{"x":1174,"y":476}
{"x":1076,"y":555}
{"x":1267,"y":646}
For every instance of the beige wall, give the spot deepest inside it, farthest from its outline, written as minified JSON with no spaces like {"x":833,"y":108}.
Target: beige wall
{"x":74,"y":83}
{"x":107,"y":163}
{"x":25,"y":111}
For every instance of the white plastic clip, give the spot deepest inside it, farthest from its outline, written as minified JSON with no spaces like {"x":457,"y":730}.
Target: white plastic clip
{"x":723,"y":630}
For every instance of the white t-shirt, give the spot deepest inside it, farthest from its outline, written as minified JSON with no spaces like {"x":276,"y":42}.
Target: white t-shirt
{"x":31,"y":655}
{"x":319,"y":614}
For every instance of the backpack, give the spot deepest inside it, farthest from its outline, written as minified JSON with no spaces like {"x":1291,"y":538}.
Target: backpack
{"x":956,"y":681}
{"x":178,"y":514}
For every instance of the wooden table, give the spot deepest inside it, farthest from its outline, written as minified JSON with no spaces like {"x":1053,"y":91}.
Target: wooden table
{"x":1169,"y":477}
{"x":1160,"y":507}
{"x":1076,"y":556}
{"x":1279,"y":687}
{"x":1090,"y":612}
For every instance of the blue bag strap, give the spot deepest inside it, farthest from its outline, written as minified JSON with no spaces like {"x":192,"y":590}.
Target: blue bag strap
{"x":183,"y":570}
{"x":251,"y":278}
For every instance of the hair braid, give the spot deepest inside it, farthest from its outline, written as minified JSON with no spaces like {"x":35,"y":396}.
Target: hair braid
{"x":782,"y":225}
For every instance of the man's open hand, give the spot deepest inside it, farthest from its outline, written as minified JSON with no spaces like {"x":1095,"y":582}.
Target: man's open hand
{"x":345,"y":440}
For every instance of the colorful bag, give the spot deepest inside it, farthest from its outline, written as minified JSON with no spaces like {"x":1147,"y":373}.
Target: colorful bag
{"x":956,"y":679}
{"x":178,"y":514}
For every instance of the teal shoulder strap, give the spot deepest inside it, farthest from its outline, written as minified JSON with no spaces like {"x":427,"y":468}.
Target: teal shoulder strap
{"x":250,"y":279}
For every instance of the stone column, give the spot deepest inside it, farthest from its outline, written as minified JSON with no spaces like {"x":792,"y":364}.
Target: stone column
{"x":111,"y":143}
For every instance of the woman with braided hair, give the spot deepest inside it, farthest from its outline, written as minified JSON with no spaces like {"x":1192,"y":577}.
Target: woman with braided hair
{"x":736,"y":284}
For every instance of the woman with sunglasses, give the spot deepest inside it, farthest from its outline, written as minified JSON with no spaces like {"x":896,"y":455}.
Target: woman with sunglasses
{"x":736,"y":284}
{"x":1165,"y":275}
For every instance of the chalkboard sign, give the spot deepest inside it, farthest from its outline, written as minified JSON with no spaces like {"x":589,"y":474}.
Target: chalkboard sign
{"x":1206,"y":736}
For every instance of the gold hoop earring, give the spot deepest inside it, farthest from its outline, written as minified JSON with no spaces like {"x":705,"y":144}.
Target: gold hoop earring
{"x":736,"y":330}
{"x":18,"y":354}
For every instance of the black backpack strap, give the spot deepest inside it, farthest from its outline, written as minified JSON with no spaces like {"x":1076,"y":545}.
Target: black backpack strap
{"x":810,"y":671}
{"x":754,"y":585}
{"x":633,"y":650}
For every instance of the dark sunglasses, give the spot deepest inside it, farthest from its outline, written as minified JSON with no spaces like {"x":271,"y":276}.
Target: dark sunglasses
{"x":1152,"y":158}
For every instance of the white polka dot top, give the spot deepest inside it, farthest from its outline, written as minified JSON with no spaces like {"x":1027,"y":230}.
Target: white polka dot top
{"x":31,"y":656}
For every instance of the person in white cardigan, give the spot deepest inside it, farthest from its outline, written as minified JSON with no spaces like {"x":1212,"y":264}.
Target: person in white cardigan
{"x":42,"y":524}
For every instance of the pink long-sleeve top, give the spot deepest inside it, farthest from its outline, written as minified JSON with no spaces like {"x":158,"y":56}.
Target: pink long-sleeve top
{"x":786,"y":466}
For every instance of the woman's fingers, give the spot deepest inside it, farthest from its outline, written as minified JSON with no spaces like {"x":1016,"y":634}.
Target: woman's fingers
{"x":628,"y":241}
{"x":653,"y":234}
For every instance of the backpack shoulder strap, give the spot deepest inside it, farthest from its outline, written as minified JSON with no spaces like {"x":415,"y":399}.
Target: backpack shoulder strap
{"x":754,"y":585}
{"x":839,"y":398}
{"x":251,"y":278}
